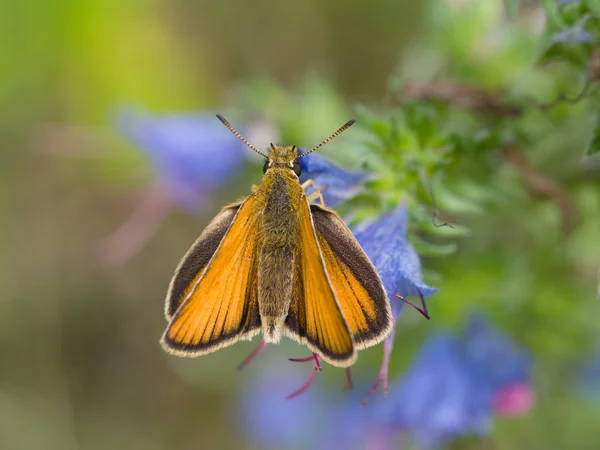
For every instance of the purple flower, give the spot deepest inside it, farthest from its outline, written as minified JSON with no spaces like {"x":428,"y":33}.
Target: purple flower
{"x":338,"y":185}
{"x":398,"y":265}
{"x":192,"y":154}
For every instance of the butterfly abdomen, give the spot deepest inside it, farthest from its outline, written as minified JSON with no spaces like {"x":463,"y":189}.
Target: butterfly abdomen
{"x":281,"y":192}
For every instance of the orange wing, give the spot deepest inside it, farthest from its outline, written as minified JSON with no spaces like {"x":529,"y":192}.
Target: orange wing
{"x":196,"y":259}
{"x":220,"y":303}
{"x":357,"y":285}
{"x":315,"y":318}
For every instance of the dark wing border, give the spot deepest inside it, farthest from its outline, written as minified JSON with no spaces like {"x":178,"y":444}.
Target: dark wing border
{"x":346,"y":248}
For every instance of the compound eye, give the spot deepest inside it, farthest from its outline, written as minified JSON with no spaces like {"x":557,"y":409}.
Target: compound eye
{"x":297,"y":168}
{"x":266,"y":166}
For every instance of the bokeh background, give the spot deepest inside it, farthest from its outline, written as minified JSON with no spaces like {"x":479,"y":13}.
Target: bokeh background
{"x":81,"y":312}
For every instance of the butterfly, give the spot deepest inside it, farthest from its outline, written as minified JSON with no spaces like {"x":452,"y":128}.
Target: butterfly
{"x":278,"y":264}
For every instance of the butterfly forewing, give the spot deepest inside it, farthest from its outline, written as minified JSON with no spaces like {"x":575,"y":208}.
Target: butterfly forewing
{"x":314,"y":317}
{"x":219,"y":305}
{"x":358,"y":287}
{"x":194,"y":262}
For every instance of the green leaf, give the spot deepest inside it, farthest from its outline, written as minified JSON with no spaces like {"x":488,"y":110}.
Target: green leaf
{"x":552,"y":14}
{"x":372,"y":121}
{"x":594,"y":145}
{"x":477,"y":193}
{"x":594,"y":6}
{"x":429,"y":249}
{"x":457,"y":204}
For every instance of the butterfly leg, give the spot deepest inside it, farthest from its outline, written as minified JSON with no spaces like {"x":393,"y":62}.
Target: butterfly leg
{"x":319,"y":196}
{"x":316,"y":194}
{"x":349,"y":384}
{"x":257,"y":351}
{"x":311,"y":376}
{"x":382,"y":377}
{"x":310,"y":182}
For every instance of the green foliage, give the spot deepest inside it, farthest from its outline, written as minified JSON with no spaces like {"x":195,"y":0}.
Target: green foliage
{"x":489,"y":119}
{"x":478,"y":128}
{"x":594,"y":145}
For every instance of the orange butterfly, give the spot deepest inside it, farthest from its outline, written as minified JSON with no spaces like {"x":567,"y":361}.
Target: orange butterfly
{"x":276,"y":263}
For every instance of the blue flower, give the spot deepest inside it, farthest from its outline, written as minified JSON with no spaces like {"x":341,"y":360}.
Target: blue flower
{"x":396,"y":261}
{"x":348,"y":425}
{"x":575,"y":35}
{"x":456,"y":385}
{"x":567,"y":2}
{"x":450,"y":390}
{"x":384,"y":241}
{"x":439,"y":398}
{"x":588,"y":377}
{"x":492,"y":356}
{"x":500,"y":364}
{"x":353,"y":426}
{"x":338,"y":185}
{"x":270,"y":420}
{"x":192,"y":154}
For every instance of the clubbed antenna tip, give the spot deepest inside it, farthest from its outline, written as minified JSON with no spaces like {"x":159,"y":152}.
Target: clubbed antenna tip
{"x":337,"y":133}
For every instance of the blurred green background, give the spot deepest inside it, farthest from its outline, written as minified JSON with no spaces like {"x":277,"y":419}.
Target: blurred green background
{"x":81,"y":365}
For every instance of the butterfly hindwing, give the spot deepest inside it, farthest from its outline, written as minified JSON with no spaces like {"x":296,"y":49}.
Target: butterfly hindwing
{"x":358,"y":287}
{"x":314,"y":317}
{"x":219,"y":304}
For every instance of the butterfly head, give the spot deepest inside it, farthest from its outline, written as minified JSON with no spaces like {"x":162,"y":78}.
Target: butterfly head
{"x":283,"y":157}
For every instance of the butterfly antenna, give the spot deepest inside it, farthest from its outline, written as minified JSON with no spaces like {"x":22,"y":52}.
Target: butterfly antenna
{"x":337,"y":133}
{"x":234,"y":131}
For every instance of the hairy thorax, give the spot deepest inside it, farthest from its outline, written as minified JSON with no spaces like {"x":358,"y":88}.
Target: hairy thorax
{"x":282,"y":195}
